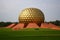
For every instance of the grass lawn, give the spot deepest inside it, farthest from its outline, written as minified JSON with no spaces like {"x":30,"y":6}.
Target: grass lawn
{"x":29,"y":34}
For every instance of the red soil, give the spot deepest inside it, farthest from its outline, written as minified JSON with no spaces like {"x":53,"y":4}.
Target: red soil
{"x":10,"y":26}
{"x":18,"y":26}
{"x":32,"y":25}
{"x":44,"y":25}
{"x":50,"y":26}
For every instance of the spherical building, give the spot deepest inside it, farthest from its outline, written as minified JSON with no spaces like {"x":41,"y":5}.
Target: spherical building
{"x":31,"y":15}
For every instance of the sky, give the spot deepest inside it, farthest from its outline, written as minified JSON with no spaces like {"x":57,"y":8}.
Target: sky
{"x":10,"y":9}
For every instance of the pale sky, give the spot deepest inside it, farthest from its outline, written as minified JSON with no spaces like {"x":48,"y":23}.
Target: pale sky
{"x":10,"y":9}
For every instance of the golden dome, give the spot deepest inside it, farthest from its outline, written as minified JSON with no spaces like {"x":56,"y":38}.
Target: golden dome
{"x":31,"y":15}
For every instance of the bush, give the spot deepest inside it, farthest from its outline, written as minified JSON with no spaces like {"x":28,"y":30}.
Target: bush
{"x":36,"y":28}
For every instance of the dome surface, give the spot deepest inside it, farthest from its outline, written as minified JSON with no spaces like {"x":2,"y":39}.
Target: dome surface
{"x":31,"y":15}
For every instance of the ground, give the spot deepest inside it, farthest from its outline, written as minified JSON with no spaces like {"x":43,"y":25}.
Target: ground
{"x":29,"y":34}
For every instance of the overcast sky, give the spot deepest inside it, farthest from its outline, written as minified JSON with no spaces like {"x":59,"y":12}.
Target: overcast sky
{"x":9,"y":9}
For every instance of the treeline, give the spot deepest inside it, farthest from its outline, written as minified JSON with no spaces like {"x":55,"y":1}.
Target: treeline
{"x":57,"y":22}
{"x":3,"y":24}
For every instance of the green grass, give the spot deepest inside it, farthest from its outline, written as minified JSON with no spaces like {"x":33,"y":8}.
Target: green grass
{"x":29,"y":34}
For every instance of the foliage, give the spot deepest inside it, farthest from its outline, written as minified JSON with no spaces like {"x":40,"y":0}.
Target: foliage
{"x":57,"y":22}
{"x":3,"y":24}
{"x":36,"y":28}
